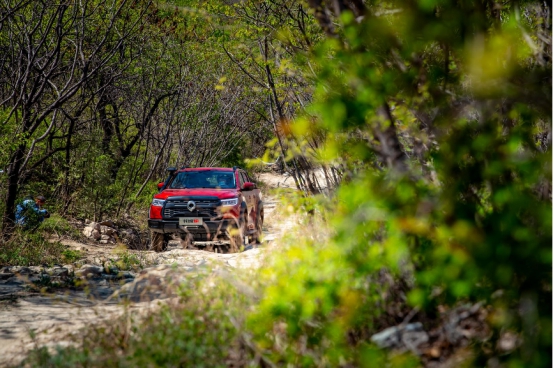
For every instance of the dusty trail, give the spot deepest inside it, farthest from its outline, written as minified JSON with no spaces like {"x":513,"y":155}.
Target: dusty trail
{"x":30,"y":319}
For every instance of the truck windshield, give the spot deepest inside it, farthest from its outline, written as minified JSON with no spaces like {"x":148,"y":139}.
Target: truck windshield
{"x":204,"y":179}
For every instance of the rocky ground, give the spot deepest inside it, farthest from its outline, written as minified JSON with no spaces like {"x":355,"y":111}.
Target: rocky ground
{"x":41,"y":305}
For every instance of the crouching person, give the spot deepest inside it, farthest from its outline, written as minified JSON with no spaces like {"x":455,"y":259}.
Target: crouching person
{"x":29,"y":213}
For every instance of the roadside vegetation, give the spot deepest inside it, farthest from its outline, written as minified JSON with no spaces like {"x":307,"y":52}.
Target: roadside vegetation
{"x":418,"y":136}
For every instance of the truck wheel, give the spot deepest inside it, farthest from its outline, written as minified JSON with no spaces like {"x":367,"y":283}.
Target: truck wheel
{"x":236,"y":236}
{"x":256,"y":238}
{"x":158,"y":242}
{"x":259,"y":225}
{"x":187,"y":241}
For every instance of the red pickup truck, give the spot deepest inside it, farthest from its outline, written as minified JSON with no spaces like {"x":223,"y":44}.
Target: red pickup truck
{"x":206,"y":204}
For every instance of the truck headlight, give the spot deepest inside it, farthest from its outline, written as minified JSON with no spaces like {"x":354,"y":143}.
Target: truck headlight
{"x":158,"y":202}
{"x":229,"y":202}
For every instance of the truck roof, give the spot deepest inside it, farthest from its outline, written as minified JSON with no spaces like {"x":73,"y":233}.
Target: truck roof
{"x":206,"y":169}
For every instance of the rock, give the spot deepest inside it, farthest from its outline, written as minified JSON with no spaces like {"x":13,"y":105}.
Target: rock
{"x":153,"y":283}
{"x":6,"y":275}
{"x":39,"y":279}
{"x":108,"y":223}
{"x":104,"y":242}
{"x":110,"y":268}
{"x":58,"y":271}
{"x":105,"y":237}
{"x":107,"y":231}
{"x":127,"y":275}
{"x":4,"y":270}
{"x":402,"y":337}
{"x":22,"y":270}
{"x":36,"y":269}
{"x":89,"y":270}
{"x":95,"y":234}
{"x":87,"y":231}
{"x":69,"y":268}
{"x":90,"y":230}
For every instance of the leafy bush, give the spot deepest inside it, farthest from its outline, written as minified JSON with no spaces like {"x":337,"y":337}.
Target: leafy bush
{"x":71,"y":255}
{"x":59,"y":226}
{"x":30,"y":249}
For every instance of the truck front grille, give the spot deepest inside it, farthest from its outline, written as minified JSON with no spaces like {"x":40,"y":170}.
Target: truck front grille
{"x":206,"y":207}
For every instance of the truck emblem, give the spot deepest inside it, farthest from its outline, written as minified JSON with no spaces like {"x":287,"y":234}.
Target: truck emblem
{"x":191,"y":206}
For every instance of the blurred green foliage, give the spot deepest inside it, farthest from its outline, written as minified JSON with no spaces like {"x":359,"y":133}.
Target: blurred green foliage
{"x":468,"y":218}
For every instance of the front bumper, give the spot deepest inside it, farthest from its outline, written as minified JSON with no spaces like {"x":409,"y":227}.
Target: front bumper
{"x":212,"y":228}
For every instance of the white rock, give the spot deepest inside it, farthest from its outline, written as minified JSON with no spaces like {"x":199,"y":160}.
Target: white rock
{"x":87,"y":231}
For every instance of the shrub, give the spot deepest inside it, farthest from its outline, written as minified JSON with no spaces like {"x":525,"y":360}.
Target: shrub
{"x":59,"y":226}
{"x":30,"y":249}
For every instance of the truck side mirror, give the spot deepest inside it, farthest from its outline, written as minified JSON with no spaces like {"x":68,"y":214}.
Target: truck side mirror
{"x":160,"y":185}
{"x":248,"y":186}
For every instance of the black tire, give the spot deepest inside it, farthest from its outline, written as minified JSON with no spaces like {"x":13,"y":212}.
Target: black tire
{"x":158,"y":241}
{"x":256,"y":238}
{"x":187,"y":241}
{"x":236,"y":236}
{"x":259,"y":225}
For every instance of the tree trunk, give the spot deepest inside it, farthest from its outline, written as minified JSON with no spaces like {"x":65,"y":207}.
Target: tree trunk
{"x":13,"y":189}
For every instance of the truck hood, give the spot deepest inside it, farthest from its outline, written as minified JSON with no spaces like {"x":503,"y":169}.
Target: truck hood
{"x":219,"y":193}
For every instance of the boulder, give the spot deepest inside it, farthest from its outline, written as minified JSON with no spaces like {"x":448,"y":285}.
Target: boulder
{"x":87,"y":231}
{"x":89,"y":271}
{"x":58,"y":271}
{"x":96,"y":235}
{"x":69,"y":268}
{"x":5,"y":275}
{"x":108,"y":223}
{"x":106,"y":230}
{"x":22,"y":270}
{"x":92,"y":230}
{"x":95,"y":225}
